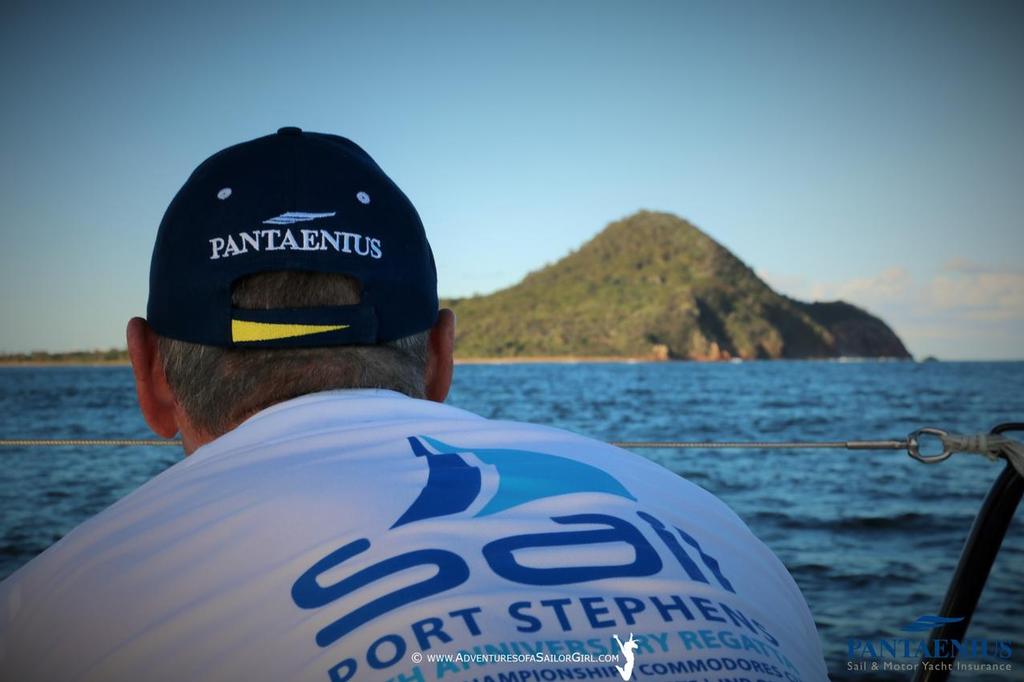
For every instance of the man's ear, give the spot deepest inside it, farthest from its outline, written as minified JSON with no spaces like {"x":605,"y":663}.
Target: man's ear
{"x":440,"y":356}
{"x":155,"y":397}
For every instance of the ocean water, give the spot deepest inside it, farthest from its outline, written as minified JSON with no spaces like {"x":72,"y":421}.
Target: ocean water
{"x":871,"y":537}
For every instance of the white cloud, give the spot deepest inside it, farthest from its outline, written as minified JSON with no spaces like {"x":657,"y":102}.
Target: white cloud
{"x":965,"y":309}
{"x":885,"y":286}
{"x":980,"y":294}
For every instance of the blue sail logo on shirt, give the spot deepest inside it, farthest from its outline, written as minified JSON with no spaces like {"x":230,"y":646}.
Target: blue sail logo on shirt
{"x":453,"y":484}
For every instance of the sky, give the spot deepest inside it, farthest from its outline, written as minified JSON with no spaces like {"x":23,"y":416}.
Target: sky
{"x":869,"y":151}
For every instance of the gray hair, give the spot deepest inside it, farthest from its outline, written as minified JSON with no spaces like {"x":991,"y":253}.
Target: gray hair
{"x":219,"y":387}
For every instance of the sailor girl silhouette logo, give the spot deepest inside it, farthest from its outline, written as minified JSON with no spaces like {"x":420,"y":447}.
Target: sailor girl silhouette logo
{"x":628,"y":649}
{"x":453,"y":483}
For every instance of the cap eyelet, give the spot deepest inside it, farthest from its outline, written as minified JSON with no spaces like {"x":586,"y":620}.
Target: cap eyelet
{"x":363,"y":197}
{"x":224,"y":193}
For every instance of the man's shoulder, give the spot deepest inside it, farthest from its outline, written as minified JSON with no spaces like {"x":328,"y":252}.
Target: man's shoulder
{"x":394,"y":432}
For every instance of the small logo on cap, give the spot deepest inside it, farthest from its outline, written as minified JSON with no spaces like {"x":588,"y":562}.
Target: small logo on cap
{"x":363,"y":197}
{"x":244,"y":331}
{"x":292,"y":217}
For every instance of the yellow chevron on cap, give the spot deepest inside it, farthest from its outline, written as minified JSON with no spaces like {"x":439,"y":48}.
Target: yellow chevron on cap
{"x":244,"y":330}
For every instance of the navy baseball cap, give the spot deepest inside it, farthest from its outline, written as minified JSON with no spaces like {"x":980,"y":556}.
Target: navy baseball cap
{"x":297,"y":201}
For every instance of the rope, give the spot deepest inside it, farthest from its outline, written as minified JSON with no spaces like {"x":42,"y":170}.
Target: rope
{"x":766,"y":445}
{"x":80,"y":442}
{"x":691,"y":445}
{"x":992,"y":446}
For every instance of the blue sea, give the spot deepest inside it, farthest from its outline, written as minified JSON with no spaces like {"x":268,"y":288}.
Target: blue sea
{"x":871,"y":537}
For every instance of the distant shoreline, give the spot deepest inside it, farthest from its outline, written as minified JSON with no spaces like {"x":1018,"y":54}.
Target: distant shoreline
{"x":554,"y":359}
{"x":526,"y":360}
{"x":559,"y":359}
{"x":530,"y":359}
{"x":64,"y":363}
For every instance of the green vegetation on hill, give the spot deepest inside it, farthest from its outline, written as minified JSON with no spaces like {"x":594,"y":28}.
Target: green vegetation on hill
{"x":653,"y":285}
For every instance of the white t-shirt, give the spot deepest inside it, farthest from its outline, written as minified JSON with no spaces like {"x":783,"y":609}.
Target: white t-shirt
{"x":364,"y":535}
